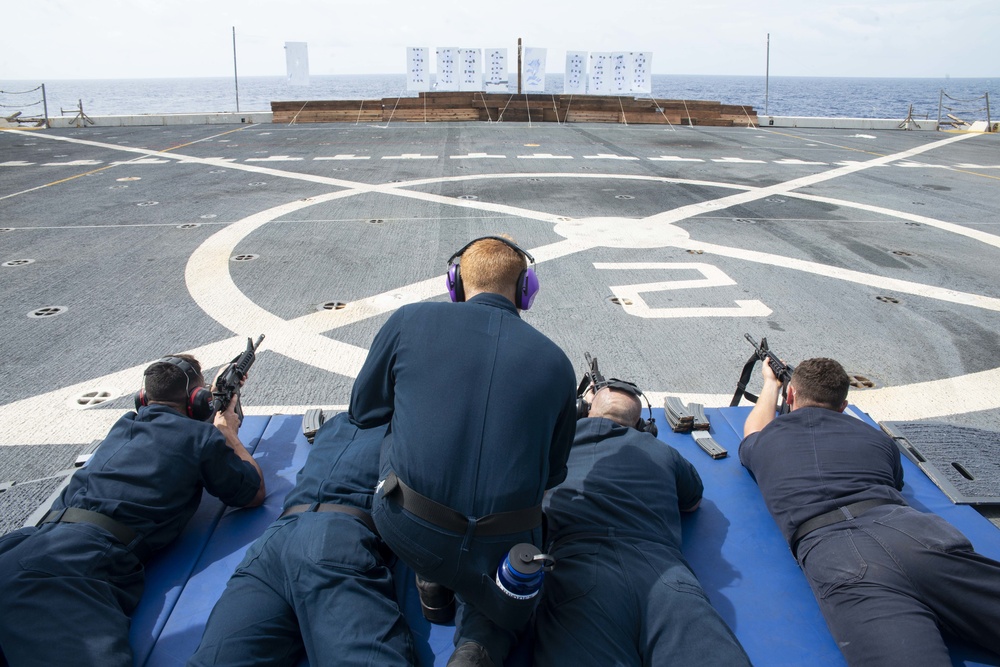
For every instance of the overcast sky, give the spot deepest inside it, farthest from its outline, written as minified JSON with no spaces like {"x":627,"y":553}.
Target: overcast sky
{"x":111,"y":39}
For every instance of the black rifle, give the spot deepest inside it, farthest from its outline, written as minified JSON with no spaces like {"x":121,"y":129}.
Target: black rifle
{"x":227,"y":387}
{"x":591,"y":377}
{"x":781,"y":370}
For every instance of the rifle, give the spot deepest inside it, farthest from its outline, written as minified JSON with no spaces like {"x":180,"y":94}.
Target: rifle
{"x":781,"y":370}
{"x":228,"y":385}
{"x":591,"y":377}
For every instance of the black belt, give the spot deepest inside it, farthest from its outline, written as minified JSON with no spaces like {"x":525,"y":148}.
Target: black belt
{"x":836,"y":516}
{"x":442,"y":516}
{"x":122,"y":533}
{"x":331,"y":507}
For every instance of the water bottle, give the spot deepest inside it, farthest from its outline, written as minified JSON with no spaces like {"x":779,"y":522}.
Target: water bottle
{"x":520,"y":572}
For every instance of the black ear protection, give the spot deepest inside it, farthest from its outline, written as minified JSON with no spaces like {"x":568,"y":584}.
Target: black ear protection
{"x":593,"y":379}
{"x":527,"y":281}
{"x":199,"y":399}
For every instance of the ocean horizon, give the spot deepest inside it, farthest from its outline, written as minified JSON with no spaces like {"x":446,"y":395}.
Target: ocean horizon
{"x":851,"y":97}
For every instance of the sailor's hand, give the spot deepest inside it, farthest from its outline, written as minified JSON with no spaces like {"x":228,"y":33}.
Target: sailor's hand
{"x":227,"y":420}
{"x":768,"y":373}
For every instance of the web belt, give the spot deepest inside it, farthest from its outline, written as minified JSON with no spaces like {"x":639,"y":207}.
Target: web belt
{"x":442,"y":516}
{"x":838,"y":515}
{"x":120,"y":532}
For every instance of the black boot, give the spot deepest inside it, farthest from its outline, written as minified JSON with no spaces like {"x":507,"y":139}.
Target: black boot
{"x":470,"y":654}
{"x":436,"y":602}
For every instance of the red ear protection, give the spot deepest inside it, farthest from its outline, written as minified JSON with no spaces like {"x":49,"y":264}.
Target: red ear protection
{"x":199,"y":399}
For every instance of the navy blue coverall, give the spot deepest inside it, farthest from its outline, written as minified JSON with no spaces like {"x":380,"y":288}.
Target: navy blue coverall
{"x":315,"y":580}
{"x":891,"y":579}
{"x":482,"y":410}
{"x":621,"y":592}
{"x":67,"y":590}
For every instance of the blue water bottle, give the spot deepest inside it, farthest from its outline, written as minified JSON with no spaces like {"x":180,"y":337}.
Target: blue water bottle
{"x":520,"y":572}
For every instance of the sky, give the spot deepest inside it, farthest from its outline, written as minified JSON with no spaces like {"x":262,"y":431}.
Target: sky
{"x":115,"y":39}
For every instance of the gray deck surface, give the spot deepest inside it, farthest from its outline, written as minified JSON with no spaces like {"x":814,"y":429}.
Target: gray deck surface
{"x":879,"y":249}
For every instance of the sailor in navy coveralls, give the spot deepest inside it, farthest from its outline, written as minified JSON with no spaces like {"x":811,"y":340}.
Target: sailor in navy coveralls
{"x":318,"y":579}
{"x":889,"y":579}
{"x":621,"y":592}
{"x":69,"y":586}
{"x":482,"y":413}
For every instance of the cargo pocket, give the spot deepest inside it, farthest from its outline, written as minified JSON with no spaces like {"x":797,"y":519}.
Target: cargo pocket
{"x":929,"y":530}
{"x":68,"y":550}
{"x":832,"y":561}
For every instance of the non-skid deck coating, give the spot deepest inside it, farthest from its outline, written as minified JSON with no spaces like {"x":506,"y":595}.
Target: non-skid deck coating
{"x":877,"y":248}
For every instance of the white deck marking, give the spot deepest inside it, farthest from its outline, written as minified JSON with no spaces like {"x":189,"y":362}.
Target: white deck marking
{"x":410,"y":156}
{"x":738,"y":160}
{"x":476,"y":156}
{"x":906,"y":164}
{"x":346,"y":156}
{"x":16,"y":163}
{"x":275,"y":158}
{"x":675,"y":158}
{"x":608,"y":156}
{"x":145,"y":160}
{"x":544,"y":156}
{"x":796,"y":161}
{"x":711,"y":276}
{"x":73,"y":163}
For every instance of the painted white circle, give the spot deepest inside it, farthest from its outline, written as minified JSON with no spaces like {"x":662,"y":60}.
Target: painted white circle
{"x":213,"y":289}
{"x":622,"y":232}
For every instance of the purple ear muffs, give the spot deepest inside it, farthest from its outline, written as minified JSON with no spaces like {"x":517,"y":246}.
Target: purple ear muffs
{"x":527,"y":288}
{"x":527,"y":282}
{"x":456,"y":290}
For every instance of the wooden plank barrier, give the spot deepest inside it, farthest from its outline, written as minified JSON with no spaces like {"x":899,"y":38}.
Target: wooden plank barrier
{"x":478,"y":106}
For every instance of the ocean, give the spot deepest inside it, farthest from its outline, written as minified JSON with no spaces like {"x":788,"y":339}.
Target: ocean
{"x":785,"y":96}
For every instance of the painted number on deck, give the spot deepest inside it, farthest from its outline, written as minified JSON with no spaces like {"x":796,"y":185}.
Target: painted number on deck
{"x":711,"y":276}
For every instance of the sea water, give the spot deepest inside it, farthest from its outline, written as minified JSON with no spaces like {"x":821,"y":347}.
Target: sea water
{"x":778,"y":96}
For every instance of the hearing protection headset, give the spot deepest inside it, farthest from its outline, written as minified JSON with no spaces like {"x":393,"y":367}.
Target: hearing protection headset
{"x":199,"y":399}
{"x":527,"y":281}
{"x":594,"y":379}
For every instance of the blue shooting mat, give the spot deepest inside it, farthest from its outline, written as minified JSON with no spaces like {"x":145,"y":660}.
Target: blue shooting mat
{"x":731,"y":542}
{"x":168,"y":572}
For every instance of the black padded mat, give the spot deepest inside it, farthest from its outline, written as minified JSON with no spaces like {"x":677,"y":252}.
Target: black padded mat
{"x":964,"y":462}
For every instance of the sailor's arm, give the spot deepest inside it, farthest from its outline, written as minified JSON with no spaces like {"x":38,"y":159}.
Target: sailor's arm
{"x":689,"y":484}
{"x":228,"y":424}
{"x":373,"y":395}
{"x":764,"y":410}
